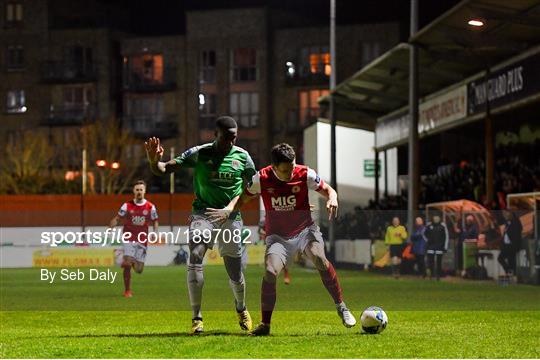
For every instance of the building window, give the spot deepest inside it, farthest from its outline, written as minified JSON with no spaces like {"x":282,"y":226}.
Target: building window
{"x":79,"y":60}
{"x":315,"y":60}
{"x":370,"y":51}
{"x":14,"y":13}
{"x":208,"y":67}
{"x":78,"y":96}
{"x":207,"y":110}
{"x":245,"y":108}
{"x":147,"y":69}
{"x":244,"y":65}
{"x":16,"y":102}
{"x":15,"y":57}
{"x":146,"y":107}
{"x":309,"y":107}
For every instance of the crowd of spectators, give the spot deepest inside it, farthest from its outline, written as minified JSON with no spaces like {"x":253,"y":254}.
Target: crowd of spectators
{"x":517,"y":170}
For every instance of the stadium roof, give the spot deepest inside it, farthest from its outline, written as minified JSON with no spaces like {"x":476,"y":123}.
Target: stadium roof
{"x":450,"y":50}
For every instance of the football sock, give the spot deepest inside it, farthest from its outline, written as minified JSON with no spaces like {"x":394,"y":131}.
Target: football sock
{"x":127,"y":278}
{"x":330,"y":281}
{"x":195,"y":282}
{"x":268,"y":300}
{"x":239,"y":291}
{"x":233,"y":266}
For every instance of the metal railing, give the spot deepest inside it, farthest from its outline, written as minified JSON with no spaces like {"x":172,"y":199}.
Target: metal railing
{"x":158,"y":79}
{"x":146,"y":125}
{"x":70,"y":114}
{"x":61,"y":71}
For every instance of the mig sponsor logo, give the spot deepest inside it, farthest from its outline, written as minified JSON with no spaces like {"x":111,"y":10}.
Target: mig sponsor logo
{"x":284,"y":203}
{"x":138,"y":220}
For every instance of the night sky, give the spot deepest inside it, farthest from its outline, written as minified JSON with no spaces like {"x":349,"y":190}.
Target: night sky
{"x":165,"y":17}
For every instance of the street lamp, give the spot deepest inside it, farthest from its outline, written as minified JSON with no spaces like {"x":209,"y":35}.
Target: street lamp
{"x":115,"y":165}
{"x":101,"y":165}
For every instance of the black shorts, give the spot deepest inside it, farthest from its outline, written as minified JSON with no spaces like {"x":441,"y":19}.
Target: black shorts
{"x":396,"y":250}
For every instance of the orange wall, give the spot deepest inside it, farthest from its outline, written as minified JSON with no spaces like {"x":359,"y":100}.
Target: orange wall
{"x":65,"y":210}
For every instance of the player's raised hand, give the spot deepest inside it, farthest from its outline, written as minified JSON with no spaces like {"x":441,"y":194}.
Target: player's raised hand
{"x":332,"y":208}
{"x":154,"y":150}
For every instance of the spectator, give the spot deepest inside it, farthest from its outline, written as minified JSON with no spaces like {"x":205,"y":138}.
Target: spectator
{"x":418,"y":240}
{"x":437,"y":243}
{"x":467,"y":232}
{"x":396,"y":234}
{"x":511,"y":242}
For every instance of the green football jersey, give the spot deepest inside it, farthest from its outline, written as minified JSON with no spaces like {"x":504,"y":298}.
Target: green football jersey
{"x":218,"y":178}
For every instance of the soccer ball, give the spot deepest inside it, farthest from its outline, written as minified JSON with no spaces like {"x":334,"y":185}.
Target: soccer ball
{"x":374,"y":320}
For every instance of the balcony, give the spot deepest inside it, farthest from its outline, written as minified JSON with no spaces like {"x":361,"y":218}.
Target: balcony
{"x":306,"y":79}
{"x":146,"y":125}
{"x":72,"y":114}
{"x":159,"y":79}
{"x":65,"y":72}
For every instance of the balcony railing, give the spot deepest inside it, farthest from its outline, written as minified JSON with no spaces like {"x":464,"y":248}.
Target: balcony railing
{"x":145,"y":125}
{"x":67,"y":114}
{"x":65,"y":72}
{"x":308,"y":78}
{"x":159,"y":79}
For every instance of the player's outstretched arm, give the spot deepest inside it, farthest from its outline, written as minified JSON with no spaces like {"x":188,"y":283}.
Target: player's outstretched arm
{"x":220,"y":215}
{"x":251,"y":189}
{"x":331,"y":200}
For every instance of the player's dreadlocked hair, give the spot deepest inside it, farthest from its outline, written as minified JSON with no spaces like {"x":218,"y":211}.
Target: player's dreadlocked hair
{"x":225,"y":123}
{"x":282,"y":153}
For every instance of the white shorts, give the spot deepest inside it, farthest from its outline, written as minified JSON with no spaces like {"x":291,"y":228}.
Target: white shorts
{"x":286,"y":249}
{"x":135,"y":250}
{"x":228,"y":244}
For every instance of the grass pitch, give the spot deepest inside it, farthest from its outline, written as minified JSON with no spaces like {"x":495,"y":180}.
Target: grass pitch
{"x":426,"y":319}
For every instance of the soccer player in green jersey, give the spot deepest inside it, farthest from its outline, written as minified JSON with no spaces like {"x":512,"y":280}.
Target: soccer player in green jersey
{"x":222,"y":171}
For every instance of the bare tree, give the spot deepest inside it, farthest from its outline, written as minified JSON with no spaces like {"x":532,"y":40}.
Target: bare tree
{"x":25,"y":168}
{"x":38,"y":162}
{"x":108,"y":141}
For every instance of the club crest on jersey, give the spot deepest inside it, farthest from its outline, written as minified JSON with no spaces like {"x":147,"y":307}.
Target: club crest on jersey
{"x":145,"y":212}
{"x":295,"y":189}
{"x":235,"y":164}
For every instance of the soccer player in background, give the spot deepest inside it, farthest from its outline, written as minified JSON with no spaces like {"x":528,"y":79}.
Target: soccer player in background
{"x":136,"y":216}
{"x":222,"y":170}
{"x":284,"y":187}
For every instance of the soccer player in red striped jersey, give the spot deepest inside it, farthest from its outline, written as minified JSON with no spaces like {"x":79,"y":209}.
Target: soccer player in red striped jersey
{"x":136,"y":216}
{"x":284,"y":188}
